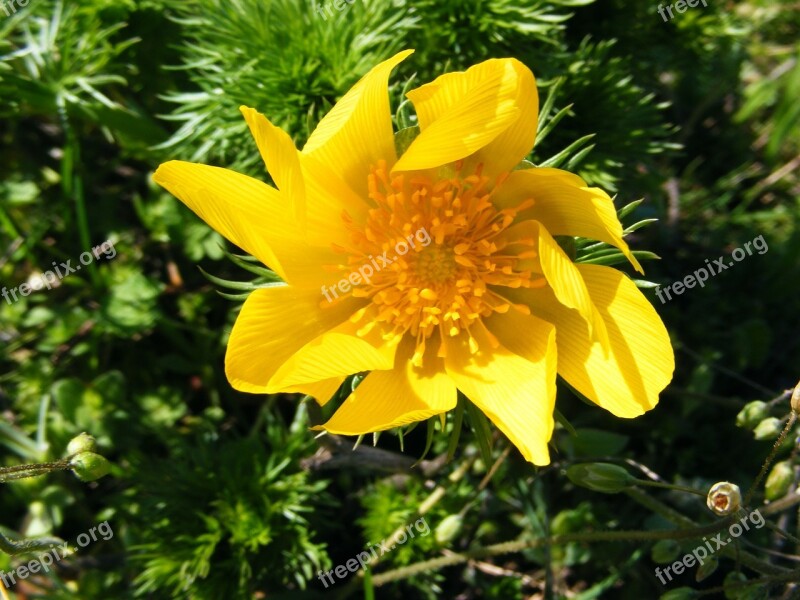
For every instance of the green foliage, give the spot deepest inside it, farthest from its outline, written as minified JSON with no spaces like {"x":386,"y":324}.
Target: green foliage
{"x":279,"y":57}
{"x":389,"y":507}
{"x":66,"y":60}
{"x":227,"y":517}
{"x":217,"y":495}
{"x":474,"y":30}
{"x":628,"y":122}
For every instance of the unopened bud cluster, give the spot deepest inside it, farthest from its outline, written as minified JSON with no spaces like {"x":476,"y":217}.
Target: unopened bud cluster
{"x":84,"y":461}
{"x":756,"y":417}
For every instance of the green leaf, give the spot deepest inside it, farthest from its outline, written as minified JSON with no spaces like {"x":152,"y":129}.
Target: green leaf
{"x":458,"y":422}
{"x":483,"y":431}
{"x":617,"y":257}
{"x":593,"y":442}
{"x":404,"y":138}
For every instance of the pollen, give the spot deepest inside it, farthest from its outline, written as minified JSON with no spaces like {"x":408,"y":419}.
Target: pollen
{"x":448,"y":260}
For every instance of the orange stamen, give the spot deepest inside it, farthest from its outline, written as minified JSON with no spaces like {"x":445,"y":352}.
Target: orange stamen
{"x":440,"y":239}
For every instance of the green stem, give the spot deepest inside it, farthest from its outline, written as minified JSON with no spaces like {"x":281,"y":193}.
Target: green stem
{"x":595,"y":536}
{"x":72,"y":182}
{"x":519,"y":545}
{"x":781,"y":532}
{"x":27,"y":546}
{"x":423,"y":508}
{"x":788,"y":576}
{"x":671,"y":514}
{"x":34,"y":470}
{"x":670,"y":486}
{"x":659,"y":508}
{"x":690,"y":531}
{"x":784,"y":503}
{"x":775,"y":449}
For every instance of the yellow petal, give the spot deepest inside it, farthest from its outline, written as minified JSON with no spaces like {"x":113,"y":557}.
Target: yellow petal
{"x":318,"y":196}
{"x":640,"y":363}
{"x":242,"y":209}
{"x":486,"y":114}
{"x":328,"y":198}
{"x":565,"y":205}
{"x":516,"y":391}
{"x":357,"y":132}
{"x":280,"y":157}
{"x":274,"y":323}
{"x":396,"y":397}
{"x":321,"y":391}
{"x":560,"y":272}
{"x":253,"y":216}
{"x":338,"y":353}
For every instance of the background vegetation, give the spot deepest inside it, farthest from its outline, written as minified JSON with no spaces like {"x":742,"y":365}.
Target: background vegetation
{"x":215,"y":494}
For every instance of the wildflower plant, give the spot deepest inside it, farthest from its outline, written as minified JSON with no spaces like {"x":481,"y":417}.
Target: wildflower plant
{"x":493,"y":308}
{"x":217,"y":493}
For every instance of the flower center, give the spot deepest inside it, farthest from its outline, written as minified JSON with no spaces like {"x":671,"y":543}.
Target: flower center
{"x":436,"y":248}
{"x":435,"y":264}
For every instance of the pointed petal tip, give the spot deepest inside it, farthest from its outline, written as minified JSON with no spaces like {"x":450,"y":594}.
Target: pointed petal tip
{"x":161,"y":174}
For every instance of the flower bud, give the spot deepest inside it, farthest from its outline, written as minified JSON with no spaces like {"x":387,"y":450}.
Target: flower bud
{"x":600,"y":477}
{"x":665,"y":551}
{"x":724,"y":498}
{"x":81,"y":443}
{"x":752,"y":414}
{"x":448,"y":528}
{"x":89,"y":466}
{"x":779,"y":480}
{"x":768,"y":429}
{"x":706,"y":569}
{"x":404,"y":137}
{"x":795,"y":401}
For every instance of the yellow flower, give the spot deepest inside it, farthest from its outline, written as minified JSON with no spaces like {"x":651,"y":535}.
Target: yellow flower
{"x":468,"y":291}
